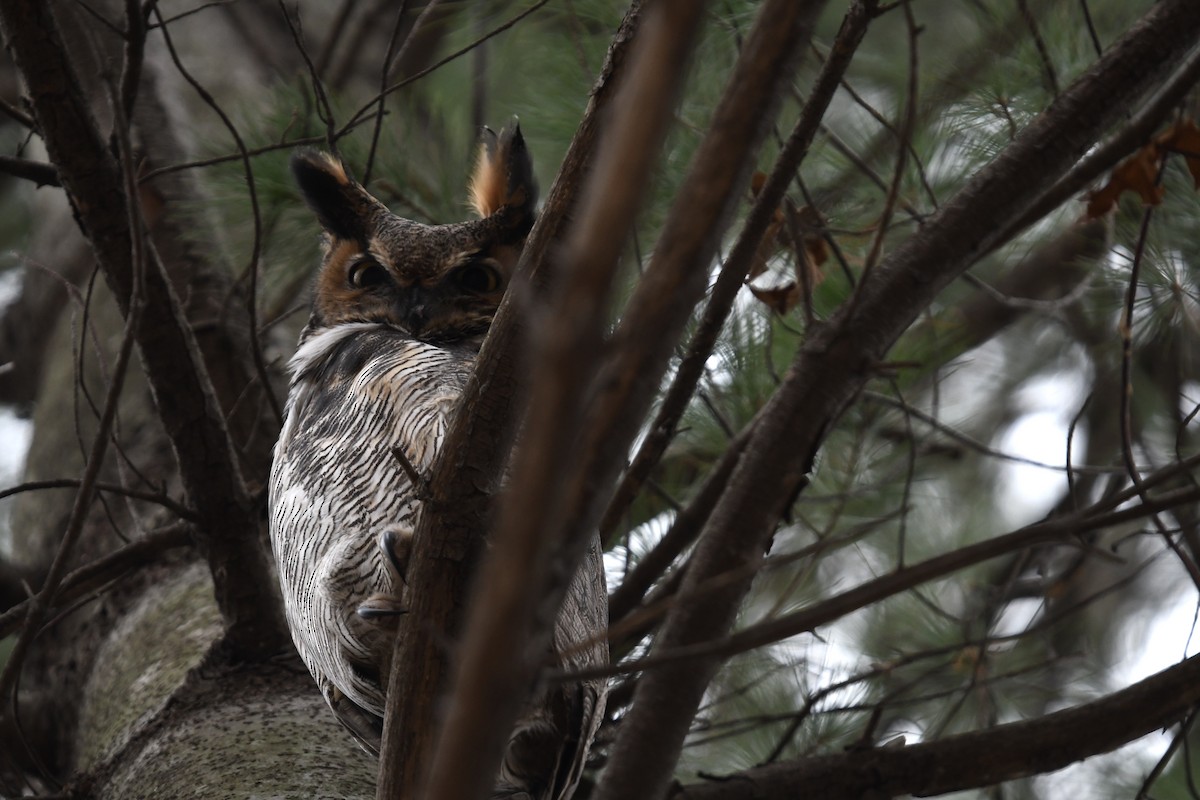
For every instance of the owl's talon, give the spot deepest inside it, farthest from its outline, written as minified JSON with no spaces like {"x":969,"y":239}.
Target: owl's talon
{"x":380,"y":606}
{"x":396,"y":544}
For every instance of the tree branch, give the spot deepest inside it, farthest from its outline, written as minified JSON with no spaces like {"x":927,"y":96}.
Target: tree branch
{"x":655,"y":318}
{"x":183,"y":392}
{"x":451,"y":531}
{"x":737,"y":265}
{"x":838,"y":358}
{"x":80,"y":581}
{"x":976,"y":759}
{"x":497,"y":656}
{"x":40,"y":174}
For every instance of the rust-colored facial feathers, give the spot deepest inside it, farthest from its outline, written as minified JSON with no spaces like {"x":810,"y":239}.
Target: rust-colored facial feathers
{"x":439,"y":283}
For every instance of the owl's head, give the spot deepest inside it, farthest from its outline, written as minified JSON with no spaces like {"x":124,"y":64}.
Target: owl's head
{"x":439,"y":283}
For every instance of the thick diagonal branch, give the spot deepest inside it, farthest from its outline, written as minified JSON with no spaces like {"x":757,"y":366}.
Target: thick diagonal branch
{"x":451,"y":532}
{"x":497,"y":655}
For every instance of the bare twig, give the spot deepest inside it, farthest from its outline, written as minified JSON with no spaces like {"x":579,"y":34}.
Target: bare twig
{"x":1125,"y":399}
{"x":860,"y":164}
{"x":360,"y":115}
{"x":135,"y":49}
{"x":40,"y":174}
{"x":1091,"y":27}
{"x":1048,"y":70}
{"x":287,"y":144}
{"x":17,"y":115}
{"x":324,"y":109}
{"x":978,"y":446}
{"x":256,"y":215}
{"x":383,"y":79}
{"x":863,"y":103}
{"x":904,"y":145}
{"x":83,"y":580}
{"x":419,"y":482}
{"x":158,"y":498}
{"x":191,"y":11}
{"x":103,"y":20}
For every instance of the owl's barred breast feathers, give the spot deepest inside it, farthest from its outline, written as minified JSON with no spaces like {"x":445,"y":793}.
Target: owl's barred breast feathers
{"x":358,"y":390}
{"x":399,"y":311}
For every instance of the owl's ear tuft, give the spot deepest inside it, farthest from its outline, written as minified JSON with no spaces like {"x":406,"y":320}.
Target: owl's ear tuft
{"x":503,"y":177}
{"x":342,"y":206}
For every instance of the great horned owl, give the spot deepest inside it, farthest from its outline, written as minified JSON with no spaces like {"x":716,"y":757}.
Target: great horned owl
{"x":398,"y":315}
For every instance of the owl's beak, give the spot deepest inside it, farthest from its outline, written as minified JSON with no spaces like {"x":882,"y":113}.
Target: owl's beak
{"x":414,"y":308}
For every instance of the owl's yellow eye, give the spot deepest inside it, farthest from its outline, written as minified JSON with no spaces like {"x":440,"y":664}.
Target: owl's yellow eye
{"x":478,"y":279}
{"x":366,"y":273}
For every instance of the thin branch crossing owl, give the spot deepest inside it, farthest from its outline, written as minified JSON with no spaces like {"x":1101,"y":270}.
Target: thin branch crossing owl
{"x":399,"y":312}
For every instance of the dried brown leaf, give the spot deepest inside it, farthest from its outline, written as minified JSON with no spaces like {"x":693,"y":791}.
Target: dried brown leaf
{"x":780,"y":299}
{"x":1184,"y":138}
{"x":768,"y":246}
{"x":1138,"y":173}
{"x":814,"y":250}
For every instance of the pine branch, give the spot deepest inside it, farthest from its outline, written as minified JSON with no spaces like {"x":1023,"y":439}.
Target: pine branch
{"x":839,"y":357}
{"x":1135,"y":133}
{"x":972,"y":760}
{"x":737,"y":265}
